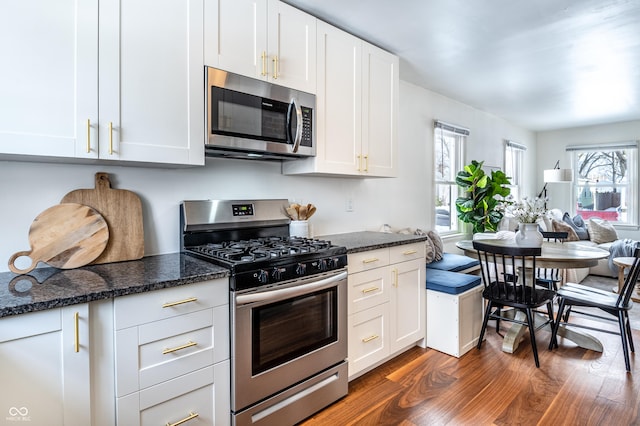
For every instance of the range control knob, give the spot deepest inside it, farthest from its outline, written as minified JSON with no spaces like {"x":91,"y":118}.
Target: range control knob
{"x":263,"y":276}
{"x":334,"y":263}
{"x":277,"y":273}
{"x":301,"y":269}
{"x":322,"y":265}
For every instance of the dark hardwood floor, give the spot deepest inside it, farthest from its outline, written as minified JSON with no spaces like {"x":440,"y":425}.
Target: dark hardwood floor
{"x":573,"y":386}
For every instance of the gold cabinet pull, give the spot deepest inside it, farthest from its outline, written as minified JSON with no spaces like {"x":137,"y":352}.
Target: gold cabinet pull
{"x":366,"y":163}
{"x":275,"y":67}
{"x":179,"y":348}
{"x":370,"y":289}
{"x":395,"y":277}
{"x":264,"y":63}
{"x":88,"y":135}
{"x":370,"y":338}
{"x":409,"y":252}
{"x":179,"y":302}
{"x":110,"y":138}
{"x":191,"y":416}
{"x":76,"y":343}
{"x":370,"y":260}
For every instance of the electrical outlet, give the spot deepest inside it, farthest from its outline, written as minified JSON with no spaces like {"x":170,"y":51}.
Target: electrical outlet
{"x":349,"y":204}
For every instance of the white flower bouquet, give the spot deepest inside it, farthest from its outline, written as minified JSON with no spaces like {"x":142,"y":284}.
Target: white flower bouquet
{"x":528,"y":210}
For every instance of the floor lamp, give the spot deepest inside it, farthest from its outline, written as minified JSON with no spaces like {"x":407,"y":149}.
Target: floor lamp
{"x":555,"y":175}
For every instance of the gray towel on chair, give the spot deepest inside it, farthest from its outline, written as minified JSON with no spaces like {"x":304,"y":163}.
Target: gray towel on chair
{"x":620,"y":248}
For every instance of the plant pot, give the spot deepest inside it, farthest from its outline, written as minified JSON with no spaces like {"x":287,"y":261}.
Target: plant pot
{"x":528,"y":235}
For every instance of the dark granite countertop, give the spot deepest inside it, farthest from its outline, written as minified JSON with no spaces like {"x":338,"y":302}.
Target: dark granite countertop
{"x":369,"y":240}
{"x":47,"y":288}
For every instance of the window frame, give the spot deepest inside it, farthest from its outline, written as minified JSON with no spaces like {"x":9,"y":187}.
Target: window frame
{"x":631,"y":188}
{"x":515,"y":152}
{"x":459,"y":134}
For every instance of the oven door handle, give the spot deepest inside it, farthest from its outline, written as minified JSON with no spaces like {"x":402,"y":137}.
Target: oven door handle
{"x":289,"y":292}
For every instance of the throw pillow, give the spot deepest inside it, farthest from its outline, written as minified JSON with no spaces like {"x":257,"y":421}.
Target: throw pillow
{"x":602,"y":231}
{"x":430,"y":249}
{"x":580,"y":223}
{"x":564,"y":227}
{"x":437,"y":244}
{"x":581,"y":232}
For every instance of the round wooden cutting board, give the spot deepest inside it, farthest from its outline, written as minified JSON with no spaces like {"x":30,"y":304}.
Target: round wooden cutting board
{"x":65,"y":236}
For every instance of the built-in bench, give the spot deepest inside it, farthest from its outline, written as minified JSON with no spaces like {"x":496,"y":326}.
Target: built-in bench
{"x":454,"y":304}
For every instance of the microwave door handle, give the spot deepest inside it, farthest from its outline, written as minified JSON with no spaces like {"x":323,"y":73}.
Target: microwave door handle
{"x":298,"y":111}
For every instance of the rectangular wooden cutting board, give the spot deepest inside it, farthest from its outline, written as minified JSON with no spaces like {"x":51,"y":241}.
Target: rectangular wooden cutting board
{"x":122,"y":211}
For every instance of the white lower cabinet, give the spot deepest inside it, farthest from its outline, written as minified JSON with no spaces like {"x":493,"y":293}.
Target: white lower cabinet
{"x":387,"y":304}
{"x":45,"y":367}
{"x":172,"y":355}
{"x":201,"y":396}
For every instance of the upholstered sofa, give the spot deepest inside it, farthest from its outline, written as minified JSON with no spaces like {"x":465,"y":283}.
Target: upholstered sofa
{"x":592,"y":232}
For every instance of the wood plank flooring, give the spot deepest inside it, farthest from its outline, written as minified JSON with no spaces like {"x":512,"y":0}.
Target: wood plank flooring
{"x":573,"y":386}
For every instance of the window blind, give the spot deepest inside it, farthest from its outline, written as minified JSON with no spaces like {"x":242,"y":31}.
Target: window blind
{"x":450,"y":127}
{"x":514,"y":145}
{"x":604,"y":146}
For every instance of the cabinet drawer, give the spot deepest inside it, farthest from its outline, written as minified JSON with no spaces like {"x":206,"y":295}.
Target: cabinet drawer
{"x":368,"y":289}
{"x":172,"y":401}
{"x":367,"y":260}
{"x":368,"y":340}
{"x":191,"y":341}
{"x":160,"y":304}
{"x":406,"y":252}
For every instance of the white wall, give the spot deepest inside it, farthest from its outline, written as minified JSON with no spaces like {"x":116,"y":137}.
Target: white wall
{"x":27,"y":189}
{"x":552,"y":147}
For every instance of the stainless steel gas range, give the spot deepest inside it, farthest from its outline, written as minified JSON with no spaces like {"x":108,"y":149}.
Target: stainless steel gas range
{"x":288,"y":300}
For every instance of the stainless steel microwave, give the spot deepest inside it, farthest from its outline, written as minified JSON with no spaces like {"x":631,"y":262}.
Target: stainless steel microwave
{"x":250,"y":118}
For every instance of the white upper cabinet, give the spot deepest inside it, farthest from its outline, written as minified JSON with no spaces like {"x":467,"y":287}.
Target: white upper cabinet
{"x":152,"y":81}
{"x":49,"y":78}
{"x":263,"y":39}
{"x":130,"y":91}
{"x":356,"y":109}
{"x":380,"y":85}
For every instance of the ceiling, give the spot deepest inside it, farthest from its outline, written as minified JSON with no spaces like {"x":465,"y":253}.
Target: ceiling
{"x":540,"y":64}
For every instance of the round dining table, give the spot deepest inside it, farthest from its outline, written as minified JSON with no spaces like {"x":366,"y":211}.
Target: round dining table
{"x":561,"y":255}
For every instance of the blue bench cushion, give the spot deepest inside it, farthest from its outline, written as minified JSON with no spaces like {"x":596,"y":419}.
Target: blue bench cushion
{"x":451,"y":282}
{"x":454,"y":262}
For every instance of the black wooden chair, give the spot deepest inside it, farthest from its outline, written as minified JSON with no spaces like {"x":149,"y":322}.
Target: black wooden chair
{"x":550,"y":277}
{"x":517,"y":291}
{"x":572,"y":296}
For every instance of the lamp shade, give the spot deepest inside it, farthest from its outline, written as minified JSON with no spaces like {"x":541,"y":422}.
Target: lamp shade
{"x":558,"y":175}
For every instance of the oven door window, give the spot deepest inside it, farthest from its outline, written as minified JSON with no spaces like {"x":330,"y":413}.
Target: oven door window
{"x":247,"y":116}
{"x":286,"y":330}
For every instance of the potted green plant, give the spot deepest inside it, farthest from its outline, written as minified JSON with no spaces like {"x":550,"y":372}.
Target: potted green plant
{"x":483,"y":201}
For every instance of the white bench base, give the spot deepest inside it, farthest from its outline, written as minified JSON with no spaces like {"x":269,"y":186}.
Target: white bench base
{"x":454,"y":321}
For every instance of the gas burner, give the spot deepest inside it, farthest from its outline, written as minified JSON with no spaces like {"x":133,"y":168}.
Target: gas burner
{"x":261,"y":248}
{"x":251,"y":239}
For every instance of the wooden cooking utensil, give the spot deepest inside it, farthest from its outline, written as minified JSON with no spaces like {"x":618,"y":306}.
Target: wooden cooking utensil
{"x":302,"y":213}
{"x":122,"y":210}
{"x":311,"y":211}
{"x":65,"y":236}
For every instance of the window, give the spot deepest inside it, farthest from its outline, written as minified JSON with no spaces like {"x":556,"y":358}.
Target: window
{"x":448,"y":142}
{"x":513,"y":163}
{"x":605,"y":181}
